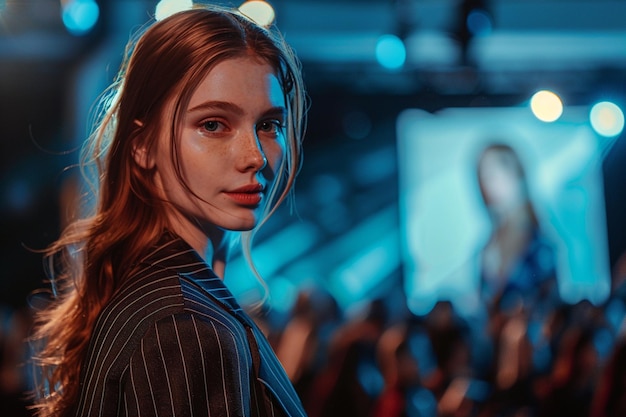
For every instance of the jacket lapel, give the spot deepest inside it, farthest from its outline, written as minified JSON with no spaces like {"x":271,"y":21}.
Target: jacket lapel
{"x":174,"y":253}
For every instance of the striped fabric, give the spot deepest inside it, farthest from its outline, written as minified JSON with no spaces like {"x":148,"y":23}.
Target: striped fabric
{"x":174,"y":342}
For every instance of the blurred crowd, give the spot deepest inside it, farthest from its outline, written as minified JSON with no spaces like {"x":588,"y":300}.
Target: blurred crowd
{"x":521,"y":360}
{"x":524,"y":359}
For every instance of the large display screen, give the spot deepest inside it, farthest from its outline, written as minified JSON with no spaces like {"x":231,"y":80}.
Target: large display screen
{"x":478,"y":184}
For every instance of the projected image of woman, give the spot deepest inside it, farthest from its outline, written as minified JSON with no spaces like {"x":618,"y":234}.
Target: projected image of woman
{"x":198,"y":143}
{"x":518,"y":260}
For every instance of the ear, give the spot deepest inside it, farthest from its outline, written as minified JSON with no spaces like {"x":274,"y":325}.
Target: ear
{"x":142,"y":156}
{"x":141,"y":152}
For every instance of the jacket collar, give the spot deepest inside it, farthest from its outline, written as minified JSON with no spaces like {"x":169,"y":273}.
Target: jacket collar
{"x":174,"y":253}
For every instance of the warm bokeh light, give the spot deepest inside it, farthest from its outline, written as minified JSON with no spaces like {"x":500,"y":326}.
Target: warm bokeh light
{"x":259,"y":11}
{"x":80,"y":16}
{"x":166,"y":8}
{"x":607,"y":119}
{"x":390,"y":52}
{"x":546,"y":106}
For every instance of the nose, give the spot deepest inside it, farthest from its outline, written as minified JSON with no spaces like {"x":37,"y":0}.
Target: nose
{"x":252,"y":157}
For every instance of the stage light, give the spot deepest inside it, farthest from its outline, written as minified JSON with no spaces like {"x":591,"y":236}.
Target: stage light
{"x":472,"y":19}
{"x":166,"y":8}
{"x":546,"y":106}
{"x":607,"y":119}
{"x":259,"y":11}
{"x":79,"y":16}
{"x":479,"y":22}
{"x":390,"y":52}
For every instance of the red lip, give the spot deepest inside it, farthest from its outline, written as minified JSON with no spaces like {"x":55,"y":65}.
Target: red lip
{"x":247,"y":195}
{"x":249,"y":188}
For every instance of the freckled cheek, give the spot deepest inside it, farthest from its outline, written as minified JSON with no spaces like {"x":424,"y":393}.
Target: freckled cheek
{"x":198,"y":160}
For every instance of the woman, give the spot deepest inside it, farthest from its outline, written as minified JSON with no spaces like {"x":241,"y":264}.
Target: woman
{"x":518,"y":260}
{"x":201,"y":138}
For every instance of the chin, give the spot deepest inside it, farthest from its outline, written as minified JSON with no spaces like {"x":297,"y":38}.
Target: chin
{"x":243,"y":226}
{"x":239,"y":221}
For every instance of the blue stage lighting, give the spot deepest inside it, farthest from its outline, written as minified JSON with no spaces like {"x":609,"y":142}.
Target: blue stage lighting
{"x":390,"y":52}
{"x":80,"y":16}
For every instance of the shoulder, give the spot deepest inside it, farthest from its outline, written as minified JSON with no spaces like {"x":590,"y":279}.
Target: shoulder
{"x":189,"y":335}
{"x":155,"y":300}
{"x":152,"y":293}
{"x":153,"y":297}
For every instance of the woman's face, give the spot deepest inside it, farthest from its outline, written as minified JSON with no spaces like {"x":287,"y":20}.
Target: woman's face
{"x":231,"y":144}
{"x":501,"y":183}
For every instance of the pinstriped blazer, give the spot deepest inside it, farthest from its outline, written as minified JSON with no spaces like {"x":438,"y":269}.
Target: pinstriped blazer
{"x":174,"y":342}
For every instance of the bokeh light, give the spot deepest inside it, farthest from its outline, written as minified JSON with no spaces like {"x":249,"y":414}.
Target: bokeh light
{"x":607,"y":119}
{"x":546,"y":106}
{"x":166,"y":8}
{"x":18,"y":196}
{"x":259,"y":11}
{"x":80,"y":16}
{"x":479,"y":22}
{"x":390,"y":52}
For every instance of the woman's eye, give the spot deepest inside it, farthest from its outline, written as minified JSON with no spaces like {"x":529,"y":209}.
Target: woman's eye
{"x":270,"y":126}
{"x":211,"y":125}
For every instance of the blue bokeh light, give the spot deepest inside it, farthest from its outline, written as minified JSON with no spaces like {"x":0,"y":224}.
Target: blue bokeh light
{"x":18,"y":196}
{"x":390,"y":52}
{"x":479,"y":22}
{"x":80,"y":16}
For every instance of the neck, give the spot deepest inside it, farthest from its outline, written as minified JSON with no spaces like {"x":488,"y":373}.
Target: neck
{"x":214,"y":251}
{"x":210,"y":244}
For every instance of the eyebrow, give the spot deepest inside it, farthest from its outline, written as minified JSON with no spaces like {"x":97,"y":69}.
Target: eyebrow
{"x":277,"y":111}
